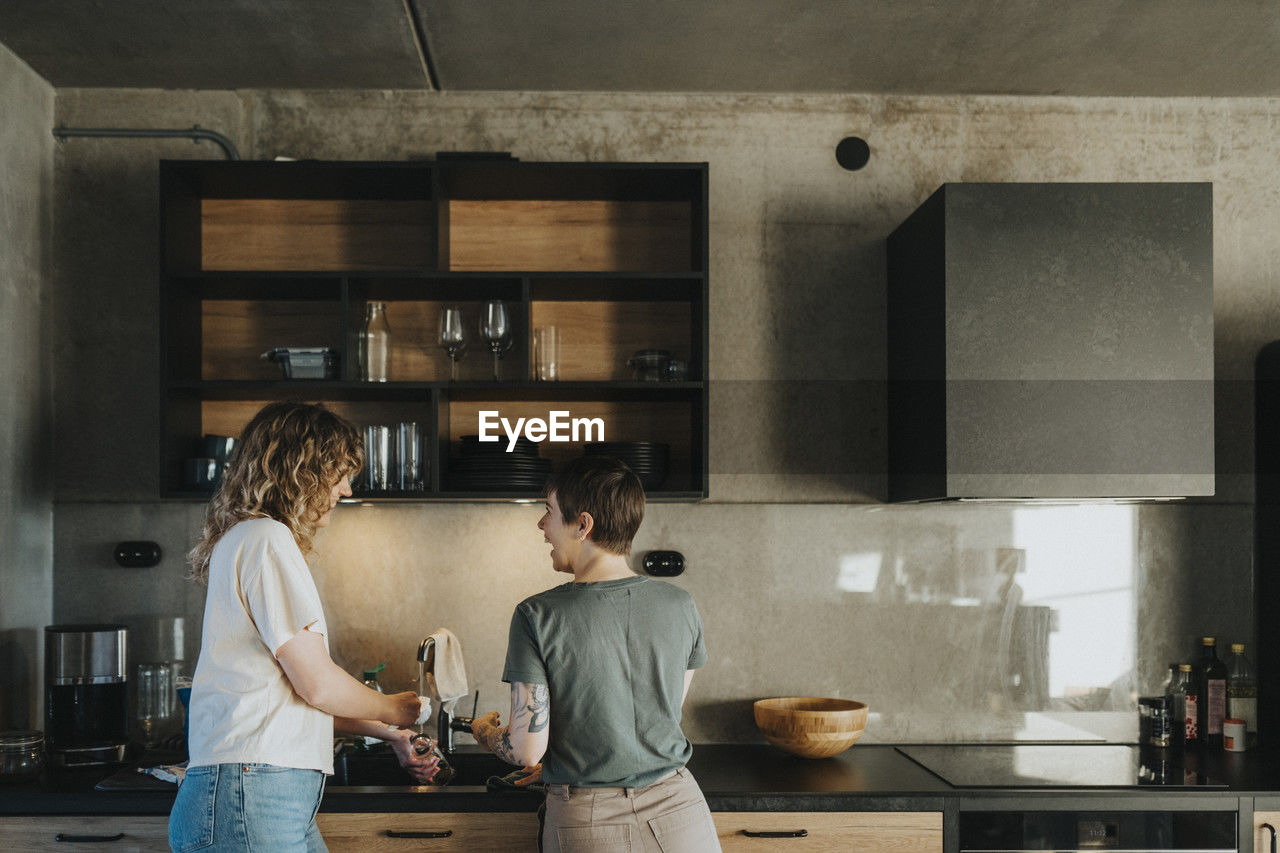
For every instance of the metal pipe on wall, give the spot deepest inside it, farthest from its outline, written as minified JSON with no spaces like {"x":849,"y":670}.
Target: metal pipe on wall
{"x":195,"y":134}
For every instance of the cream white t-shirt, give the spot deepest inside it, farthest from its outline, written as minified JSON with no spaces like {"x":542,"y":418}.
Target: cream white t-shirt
{"x":243,"y":708}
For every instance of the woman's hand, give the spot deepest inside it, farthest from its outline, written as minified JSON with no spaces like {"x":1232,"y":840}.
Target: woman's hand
{"x":532,"y":775}
{"x":421,"y":767}
{"x":406,"y":709}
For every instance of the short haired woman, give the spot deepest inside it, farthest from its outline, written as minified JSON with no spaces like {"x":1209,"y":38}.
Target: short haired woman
{"x":599,"y":668}
{"x":266,"y":697}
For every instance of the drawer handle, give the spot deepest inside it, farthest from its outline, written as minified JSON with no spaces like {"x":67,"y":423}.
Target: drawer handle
{"x":794,"y":833}
{"x":88,"y":839}
{"x":1272,"y":830}
{"x":391,"y":833}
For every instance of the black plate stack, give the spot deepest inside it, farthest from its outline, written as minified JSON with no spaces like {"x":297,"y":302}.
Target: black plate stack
{"x":488,"y":467}
{"x":648,"y":459}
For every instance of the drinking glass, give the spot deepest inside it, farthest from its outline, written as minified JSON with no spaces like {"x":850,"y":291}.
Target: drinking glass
{"x":546,"y":354}
{"x":452,"y":338}
{"x":377,"y":458}
{"x":155,"y":699}
{"x":495,"y":327}
{"x":409,"y":452}
{"x":423,"y":745}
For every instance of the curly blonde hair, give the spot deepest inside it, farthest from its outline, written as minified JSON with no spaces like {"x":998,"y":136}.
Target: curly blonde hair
{"x":288,"y":459}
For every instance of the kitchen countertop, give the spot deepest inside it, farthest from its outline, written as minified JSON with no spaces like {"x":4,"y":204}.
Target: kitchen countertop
{"x":734,"y":777}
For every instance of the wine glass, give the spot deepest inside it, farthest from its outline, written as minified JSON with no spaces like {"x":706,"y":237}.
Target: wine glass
{"x":495,"y":326}
{"x":452,"y":338}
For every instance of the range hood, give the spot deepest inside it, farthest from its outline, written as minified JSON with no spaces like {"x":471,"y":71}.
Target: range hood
{"x":1052,"y":341}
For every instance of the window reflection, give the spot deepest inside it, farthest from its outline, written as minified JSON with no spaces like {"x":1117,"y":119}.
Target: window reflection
{"x":1080,"y":564}
{"x":1003,"y":617}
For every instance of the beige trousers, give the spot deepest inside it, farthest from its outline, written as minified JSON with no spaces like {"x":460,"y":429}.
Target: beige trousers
{"x":669,"y":816}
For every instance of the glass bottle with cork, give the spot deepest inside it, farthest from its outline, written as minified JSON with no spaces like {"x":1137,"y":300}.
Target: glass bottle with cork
{"x":1211,"y":681}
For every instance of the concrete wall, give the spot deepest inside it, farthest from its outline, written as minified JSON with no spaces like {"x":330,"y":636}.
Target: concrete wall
{"x":806,"y":581}
{"x":26,"y":380}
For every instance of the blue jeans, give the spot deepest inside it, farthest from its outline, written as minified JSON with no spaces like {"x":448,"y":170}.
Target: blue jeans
{"x":247,"y":807}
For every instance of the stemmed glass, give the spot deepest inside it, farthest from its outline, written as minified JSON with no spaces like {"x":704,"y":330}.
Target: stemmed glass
{"x":495,"y":326}
{"x":452,"y":338}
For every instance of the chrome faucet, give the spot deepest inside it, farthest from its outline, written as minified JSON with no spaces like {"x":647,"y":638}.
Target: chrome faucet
{"x":446,"y":722}
{"x":427,"y":653}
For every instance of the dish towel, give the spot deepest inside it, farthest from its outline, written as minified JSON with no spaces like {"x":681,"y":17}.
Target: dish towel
{"x":166,"y":772}
{"x":508,"y":783}
{"x":450,"y":672}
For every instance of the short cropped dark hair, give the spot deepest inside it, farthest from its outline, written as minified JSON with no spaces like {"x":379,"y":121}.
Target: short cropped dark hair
{"x":608,"y":491}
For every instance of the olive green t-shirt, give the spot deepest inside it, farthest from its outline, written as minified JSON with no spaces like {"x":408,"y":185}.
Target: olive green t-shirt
{"x":613,"y":656}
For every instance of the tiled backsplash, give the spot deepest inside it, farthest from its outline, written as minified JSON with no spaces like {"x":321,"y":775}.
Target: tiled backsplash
{"x":954,"y":622}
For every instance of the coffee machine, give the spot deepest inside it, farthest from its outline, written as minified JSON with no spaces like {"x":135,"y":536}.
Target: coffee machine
{"x":86,"y":694}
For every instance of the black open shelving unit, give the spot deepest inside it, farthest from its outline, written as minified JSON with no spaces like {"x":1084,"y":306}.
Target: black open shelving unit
{"x":262,"y":254}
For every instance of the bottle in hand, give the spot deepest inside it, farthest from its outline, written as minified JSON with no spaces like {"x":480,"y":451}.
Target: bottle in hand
{"x":1211,"y":679}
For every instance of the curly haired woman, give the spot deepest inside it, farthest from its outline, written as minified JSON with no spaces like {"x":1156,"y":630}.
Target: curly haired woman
{"x":266,"y":697}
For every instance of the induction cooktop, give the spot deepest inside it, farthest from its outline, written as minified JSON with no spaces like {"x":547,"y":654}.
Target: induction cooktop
{"x":1055,"y":766}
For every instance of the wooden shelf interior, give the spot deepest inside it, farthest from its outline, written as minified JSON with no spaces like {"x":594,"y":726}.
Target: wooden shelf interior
{"x":415,"y":356}
{"x":568,"y":235}
{"x":670,"y":422}
{"x":597,"y":337}
{"x":315,"y":234}
{"x":236,"y":332}
{"x":297,"y":216}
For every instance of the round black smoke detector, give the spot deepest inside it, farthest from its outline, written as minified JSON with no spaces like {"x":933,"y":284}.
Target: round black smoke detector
{"x":853,"y":152}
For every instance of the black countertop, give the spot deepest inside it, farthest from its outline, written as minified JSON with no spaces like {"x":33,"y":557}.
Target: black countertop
{"x":734,"y":777}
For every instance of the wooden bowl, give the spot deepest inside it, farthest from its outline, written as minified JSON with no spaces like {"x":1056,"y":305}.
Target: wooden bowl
{"x":809,"y":726}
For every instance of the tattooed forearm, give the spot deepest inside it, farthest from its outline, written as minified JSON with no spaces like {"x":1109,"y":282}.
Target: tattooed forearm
{"x":524,"y":740}
{"x":504,"y":749}
{"x":539,"y":707}
{"x":498,"y":741}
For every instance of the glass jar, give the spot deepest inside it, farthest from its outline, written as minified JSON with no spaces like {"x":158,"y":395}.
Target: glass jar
{"x":649,"y":365}
{"x":21,"y":755}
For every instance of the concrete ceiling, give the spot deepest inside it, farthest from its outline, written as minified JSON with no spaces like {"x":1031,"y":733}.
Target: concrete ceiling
{"x":1226,"y":48}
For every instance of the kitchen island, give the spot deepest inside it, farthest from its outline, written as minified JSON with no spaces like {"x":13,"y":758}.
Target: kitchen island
{"x":750,"y":788}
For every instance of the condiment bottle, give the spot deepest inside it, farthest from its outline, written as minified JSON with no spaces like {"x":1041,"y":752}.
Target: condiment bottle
{"x":1190,"y":706}
{"x":1242,"y":692}
{"x":1212,"y":681}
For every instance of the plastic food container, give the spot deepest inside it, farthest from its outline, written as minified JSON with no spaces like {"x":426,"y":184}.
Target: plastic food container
{"x":21,"y":755}
{"x":305,"y":362}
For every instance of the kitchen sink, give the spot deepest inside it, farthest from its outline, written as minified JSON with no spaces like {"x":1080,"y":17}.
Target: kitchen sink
{"x":378,"y":767}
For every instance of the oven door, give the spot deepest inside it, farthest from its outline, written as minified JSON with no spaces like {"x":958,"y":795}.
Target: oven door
{"x":1072,"y":831}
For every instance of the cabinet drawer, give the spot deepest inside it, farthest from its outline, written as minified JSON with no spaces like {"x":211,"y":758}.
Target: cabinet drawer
{"x":1261,"y":836}
{"x":883,"y":832}
{"x":367,"y":833}
{"x":121,"y":834}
